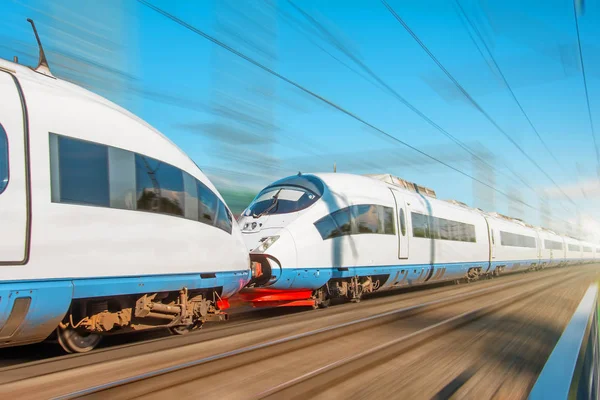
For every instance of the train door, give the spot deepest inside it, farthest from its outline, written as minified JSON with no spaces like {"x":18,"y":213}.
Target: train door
{"x":14,"y":187}
{"x":402,"y":225}
{"x":492,"y":243}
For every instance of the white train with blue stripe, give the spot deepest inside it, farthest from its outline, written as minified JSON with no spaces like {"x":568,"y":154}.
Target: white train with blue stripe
{"x":314,"y":237}
{"x":105,"y":224}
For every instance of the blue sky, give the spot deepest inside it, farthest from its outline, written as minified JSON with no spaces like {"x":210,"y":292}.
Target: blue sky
{"x":245,"y":127}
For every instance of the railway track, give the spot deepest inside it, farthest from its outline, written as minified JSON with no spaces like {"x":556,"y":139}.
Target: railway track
{"x":25,"y":362}
{"x":325,"y":352}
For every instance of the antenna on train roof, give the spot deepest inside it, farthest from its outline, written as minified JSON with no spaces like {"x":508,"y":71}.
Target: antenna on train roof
{"x":42,"y":67}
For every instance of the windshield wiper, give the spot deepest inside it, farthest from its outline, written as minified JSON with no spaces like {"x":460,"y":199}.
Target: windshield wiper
{"x":275,"y":199}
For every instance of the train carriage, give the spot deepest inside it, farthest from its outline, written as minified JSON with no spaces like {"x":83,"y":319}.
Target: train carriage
{"x":356,"y":234}
{"x":588,"y":252}
{"x":313,"y":237}
{"x":551,"y":248}
{"x":513,"y":245}
{"x":573,"y":251}
{"x":106,"y":225}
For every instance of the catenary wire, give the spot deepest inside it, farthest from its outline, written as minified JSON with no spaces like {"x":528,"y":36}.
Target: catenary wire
{"x":471,"y":99}
{"x":321,"y":98}
{"x":587,"y":97}
{"x":504,"y":80}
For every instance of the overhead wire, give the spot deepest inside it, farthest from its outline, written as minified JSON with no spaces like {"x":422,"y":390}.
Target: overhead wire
{"x":471,"y":99}
{"x":321,"y":98}
{"x":495,"y":68}
{"x":504,"y":80}
{"x":587,"y":97}
{"x":386,"y":87}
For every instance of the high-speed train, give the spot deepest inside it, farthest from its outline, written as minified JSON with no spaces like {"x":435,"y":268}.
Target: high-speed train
{"x":314,"y":237}
{"x":105,"y":225}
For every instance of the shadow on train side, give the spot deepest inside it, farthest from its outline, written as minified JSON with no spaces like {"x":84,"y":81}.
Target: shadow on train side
{"x":335,"y":202}
{"x":432,"y":242}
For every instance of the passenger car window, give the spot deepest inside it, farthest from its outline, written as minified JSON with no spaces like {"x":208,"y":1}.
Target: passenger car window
{"x":224,"y":218}
{"x":159,"y":186}
{"x":207,"y":204}
{"x":367,"y":220}
{"x":83,"y":168}
{"x":425,"y":226}
{"x":389,"y":225}
{"x":122,"y":178}
{"x":343,"y":220}
{"x":445,"y":228}
{"x":83,"y":172}
{"x":3,"y":159}
{"x":359,"y":219}
{"x":420,"y":226}
{"x":327,"y":227}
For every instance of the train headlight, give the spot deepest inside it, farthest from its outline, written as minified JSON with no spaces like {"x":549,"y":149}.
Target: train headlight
{"x":265,"y":243}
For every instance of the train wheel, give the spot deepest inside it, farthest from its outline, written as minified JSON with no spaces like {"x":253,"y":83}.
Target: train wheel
{"x":182,"y":329}
{"x":73,"y":341}
{"x":322,"y":299}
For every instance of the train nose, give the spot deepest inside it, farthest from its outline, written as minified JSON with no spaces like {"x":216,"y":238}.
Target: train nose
{"x":254,"y":239}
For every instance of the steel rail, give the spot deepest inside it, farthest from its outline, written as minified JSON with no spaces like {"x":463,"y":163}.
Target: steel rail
{"x":332,"y":330}
{"x":45,"y":366}
{"x":317,"y":379}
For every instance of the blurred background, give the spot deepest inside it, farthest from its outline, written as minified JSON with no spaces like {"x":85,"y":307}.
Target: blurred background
{"x":489,"y":103}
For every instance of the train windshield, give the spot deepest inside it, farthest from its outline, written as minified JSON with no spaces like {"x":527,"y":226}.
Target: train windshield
{"x":286,"y":196}
{"x":280,"y":200}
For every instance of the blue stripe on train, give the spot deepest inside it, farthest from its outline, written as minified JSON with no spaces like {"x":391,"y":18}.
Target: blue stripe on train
{"x":50,"y":299}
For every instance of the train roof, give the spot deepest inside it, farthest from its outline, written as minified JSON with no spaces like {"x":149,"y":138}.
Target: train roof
{"x":75,"y":90}
{"x":394,"y":180}
{"x":59,"y":87}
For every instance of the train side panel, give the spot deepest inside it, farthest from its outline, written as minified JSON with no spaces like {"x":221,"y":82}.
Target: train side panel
{"x":514,"y":246}
{"x":56,"y":250}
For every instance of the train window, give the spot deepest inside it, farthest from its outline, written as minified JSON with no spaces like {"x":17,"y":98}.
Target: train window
{"x":81,"y":173}
{"x":356,"y":220}
{"x":434,"y":228}
{"x":470,"y":233}
{"x":553,"y":245}
{"x":587,"y":249}
{"x":445,"y":229}
{"x":389,"y":226}
{"x":343,"y":221}
{"x":3,"y":159}
{"x":191,"y":197}
{"x":159,"y":186}
{"x":207,"y":204}
{"x":516,"y":240}
{"x":335,"y":225}
{"x":367,"y":218}
{"x":420,"y":225}
{"x":327,"y":227}
{"x":440,"y":228}
{"x":281,"y":200}
{"x":224,"y":218}
{"x":574,"y":247}
{"x":402,"y":223}
{"x":121,"y":178}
